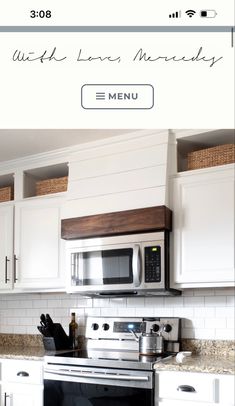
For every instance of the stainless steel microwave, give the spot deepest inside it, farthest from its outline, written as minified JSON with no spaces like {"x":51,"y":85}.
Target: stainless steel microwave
{"x":126,"y":265}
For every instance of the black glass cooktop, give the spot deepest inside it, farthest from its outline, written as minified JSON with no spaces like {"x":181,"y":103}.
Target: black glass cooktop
{"x":111,"y":358}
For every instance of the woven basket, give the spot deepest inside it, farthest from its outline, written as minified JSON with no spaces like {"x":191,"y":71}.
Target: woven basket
{"x":47,"y":186}
{"x":204,"y":158}
{"x":6,"y":194}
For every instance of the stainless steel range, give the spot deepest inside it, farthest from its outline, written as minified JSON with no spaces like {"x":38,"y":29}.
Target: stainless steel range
{"x":109,"y":370}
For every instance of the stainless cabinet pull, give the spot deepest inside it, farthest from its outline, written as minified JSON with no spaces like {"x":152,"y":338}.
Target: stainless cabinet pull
{"x":6,"y":275}
{"x":186,"y":388}
{"x":22,"y":373}
{"x":5,"y":398}
{"x":15,"y":259}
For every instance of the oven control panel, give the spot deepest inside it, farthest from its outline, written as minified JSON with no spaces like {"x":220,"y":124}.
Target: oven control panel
{"x":127,"y":326}
{"x":110,"y":328}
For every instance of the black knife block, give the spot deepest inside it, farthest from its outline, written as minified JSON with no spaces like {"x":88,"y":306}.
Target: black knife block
{"x":58,"y":341}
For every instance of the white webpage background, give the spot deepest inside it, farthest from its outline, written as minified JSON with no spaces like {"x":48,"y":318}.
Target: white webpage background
{"x":48,"y":94}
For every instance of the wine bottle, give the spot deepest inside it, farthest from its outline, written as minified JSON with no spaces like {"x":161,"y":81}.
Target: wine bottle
{"x":73,"y":326}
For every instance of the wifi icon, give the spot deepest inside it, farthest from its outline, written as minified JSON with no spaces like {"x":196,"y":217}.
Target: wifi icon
{"x":190,"y":13}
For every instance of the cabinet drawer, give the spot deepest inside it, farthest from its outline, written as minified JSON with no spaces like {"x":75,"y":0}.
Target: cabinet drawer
{"x":22,"y":371}
{"x":188,"y":386}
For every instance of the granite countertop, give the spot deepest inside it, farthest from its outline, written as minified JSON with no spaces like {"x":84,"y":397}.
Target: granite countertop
{"x":209,"y":356}
{"x":20,"y":352}
{"x":21,"y":346}
{"x":199,"y":363}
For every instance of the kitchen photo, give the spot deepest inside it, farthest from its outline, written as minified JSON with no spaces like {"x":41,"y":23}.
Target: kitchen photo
{"x":117,"y":267}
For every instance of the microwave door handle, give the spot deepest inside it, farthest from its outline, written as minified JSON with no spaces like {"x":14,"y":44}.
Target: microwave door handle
{"x":136,"y":266}
{"x":80,"y":269}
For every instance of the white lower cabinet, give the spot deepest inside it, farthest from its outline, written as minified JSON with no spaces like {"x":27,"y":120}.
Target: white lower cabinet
{"x":191,"y":389}
{"x":22,"y":383}
{"x":20,"y":395}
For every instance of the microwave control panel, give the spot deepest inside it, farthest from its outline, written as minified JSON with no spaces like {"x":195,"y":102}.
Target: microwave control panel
{"x":152,"y":264}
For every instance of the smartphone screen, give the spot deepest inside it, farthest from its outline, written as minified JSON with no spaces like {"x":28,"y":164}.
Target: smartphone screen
{"x":109,"y":106}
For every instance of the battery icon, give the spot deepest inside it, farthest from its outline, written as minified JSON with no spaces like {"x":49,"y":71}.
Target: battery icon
{"x":208,"y":13}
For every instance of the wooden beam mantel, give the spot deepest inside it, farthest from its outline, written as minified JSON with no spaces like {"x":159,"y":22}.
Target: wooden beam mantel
{"x":117,"y":223}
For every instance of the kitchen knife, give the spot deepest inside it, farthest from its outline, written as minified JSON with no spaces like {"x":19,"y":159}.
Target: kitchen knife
{"x":44,"y":331}
{"x":49,"y":325}
{"x":43,"y":320}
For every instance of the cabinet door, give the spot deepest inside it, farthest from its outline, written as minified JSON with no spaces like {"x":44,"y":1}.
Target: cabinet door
{"x":22,"y":395}
{"x":203,"y":208}
{"x":6,"y":246}
{"x":38,"y":245}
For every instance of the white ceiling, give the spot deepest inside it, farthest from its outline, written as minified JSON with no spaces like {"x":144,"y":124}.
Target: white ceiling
{"x":20,"y":143}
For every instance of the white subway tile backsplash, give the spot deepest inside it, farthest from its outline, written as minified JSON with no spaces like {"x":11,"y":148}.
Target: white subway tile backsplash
{"x":54,"y":303}
{"x":100,"y":303}
{"x":194,"y":323}
{"x":24,"y":330}
{"x":153,"y":302}
{"x":30,"y":330}
{"x":144,"y":312}
{"x":93,"y":311}
{"x":185,"y":312}
{"x":194,"y":301}
{"x":205,"y":333}
{"x":222,"y":334}
{"x":215,"y":301}
{"x":205,"y":313}
{"x":215,"y":323}
{"x":188,"y":292}
{"x":225,"y":312}
{"x":124,"y":312}
{"x":204,"y":292}
{"x":13,"y":321}
{"x":135,"y":302}
{"x":173,"y":301}
{"x":29,"y":322}
{"x":61,"y":312}
{"x":230,"y":323}
{"x":163,"y":312}
{"x":225,"y":292}
{"x":118,"y":302}
{"x":108,"y":311}
{"x":38,"y":304}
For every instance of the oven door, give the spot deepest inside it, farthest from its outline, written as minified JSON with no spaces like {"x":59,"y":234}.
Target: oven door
{"x":79,"y":386}
{"x":104,"y":268}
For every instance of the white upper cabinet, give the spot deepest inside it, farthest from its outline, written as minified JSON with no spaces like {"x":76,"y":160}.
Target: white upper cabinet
{"x":203,"y":227}
{"x":38,"y":253}
{"x":6,"y":246}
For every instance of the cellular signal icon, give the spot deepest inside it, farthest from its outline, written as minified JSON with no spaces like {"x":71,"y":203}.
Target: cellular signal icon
{"x":190,"y":13}
{"x":176,"y":14}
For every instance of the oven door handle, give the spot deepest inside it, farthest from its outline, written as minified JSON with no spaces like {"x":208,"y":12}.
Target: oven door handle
{"x":116,"y":377}
{"x":136,"y":265}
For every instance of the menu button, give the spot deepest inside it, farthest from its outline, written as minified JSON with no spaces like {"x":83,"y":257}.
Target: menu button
{"x":128,"y":97}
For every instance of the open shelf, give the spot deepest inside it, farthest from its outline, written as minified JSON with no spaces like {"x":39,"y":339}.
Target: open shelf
{"x":6,"y":181}
{"x":33,"y":176}
{"x":201,"y":141}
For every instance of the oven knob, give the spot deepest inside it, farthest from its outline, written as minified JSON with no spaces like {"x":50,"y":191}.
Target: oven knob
{"x":167,"y":328}
{"x":155,"y":328}
{"x":105,"y":327}
{"x":95,"y":326}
